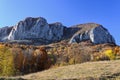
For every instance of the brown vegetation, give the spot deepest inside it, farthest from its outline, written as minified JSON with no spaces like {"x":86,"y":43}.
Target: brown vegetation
{"x":67,"y":54}
{"x":25,"y":59}
{"x":101,"y":70}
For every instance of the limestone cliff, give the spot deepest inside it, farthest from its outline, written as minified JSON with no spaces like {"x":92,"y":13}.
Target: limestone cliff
{"x":38,"y":29}
{"x":4,"y":32}
{"x":96,"y":33}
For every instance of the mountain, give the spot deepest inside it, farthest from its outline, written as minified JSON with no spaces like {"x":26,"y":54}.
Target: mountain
{"x":96,"y":33}
{"x":51,"y":45}
{"x":37,"y":30}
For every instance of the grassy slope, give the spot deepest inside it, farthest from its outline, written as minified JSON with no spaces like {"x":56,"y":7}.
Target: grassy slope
{"x":86,"y":71}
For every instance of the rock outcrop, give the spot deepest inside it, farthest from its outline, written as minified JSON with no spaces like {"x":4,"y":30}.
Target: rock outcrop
{"x":38,"y":30}
{"x":4,"y":32}
{"x":56,"y":31}
{"x":96,"y":33}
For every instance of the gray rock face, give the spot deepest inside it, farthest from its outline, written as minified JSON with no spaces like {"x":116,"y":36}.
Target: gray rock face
{"x":96,"y":34}
{"x":4,"y":32}
{"x":36,"y":28}
{"x":101,"y":35}
{"x":56,"y":31}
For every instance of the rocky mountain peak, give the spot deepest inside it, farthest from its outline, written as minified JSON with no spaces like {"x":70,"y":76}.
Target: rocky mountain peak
{"x":31,"y":20}
{"x":38,"y":29}
{"x":56,"y":24}
{"x":96,"y":33}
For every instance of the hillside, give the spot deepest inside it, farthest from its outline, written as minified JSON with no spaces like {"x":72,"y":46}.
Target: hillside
{"x":95,"y":70}
{"x":102,"y":70}
{"x":34,"y":45}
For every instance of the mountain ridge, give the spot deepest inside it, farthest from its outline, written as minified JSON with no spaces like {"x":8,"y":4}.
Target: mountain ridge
{"x":40,"y":30}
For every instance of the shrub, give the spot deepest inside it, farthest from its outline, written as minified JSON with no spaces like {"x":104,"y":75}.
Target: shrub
{"x":52,"y":57}
{"x":100,"y":57}
{"x":6,"y":62}
{"x":71,"y":61}
{"x":109,"y":53}
{"x":78,"y":55}
{"x":63,"y":64}
{"x":117,"y":51}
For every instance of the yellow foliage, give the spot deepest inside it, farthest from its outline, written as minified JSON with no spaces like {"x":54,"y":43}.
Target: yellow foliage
{"x":63,"y":64}
{"x":72,"y":61}
{"x":6,"y":62}
{"x":1,"y":46}
{"x":51,"y":57}
{"x":109,"y":53}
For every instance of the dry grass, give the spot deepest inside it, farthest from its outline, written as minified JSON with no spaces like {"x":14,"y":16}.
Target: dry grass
{"x":102,"y":70}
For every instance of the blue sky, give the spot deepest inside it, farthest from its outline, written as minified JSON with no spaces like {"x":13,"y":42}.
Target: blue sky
{"x":69,"y":12}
